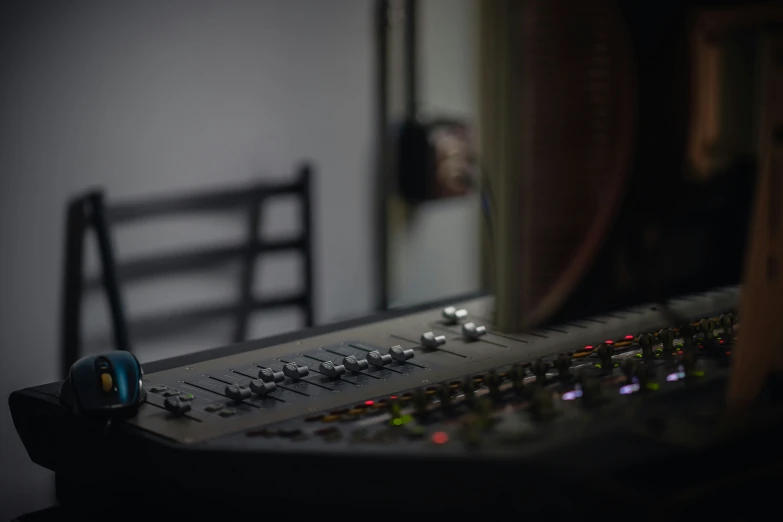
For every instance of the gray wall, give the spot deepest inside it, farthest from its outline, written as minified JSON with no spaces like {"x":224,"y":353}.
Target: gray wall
{"x":435,"y":248}
{"x":149,"y":97}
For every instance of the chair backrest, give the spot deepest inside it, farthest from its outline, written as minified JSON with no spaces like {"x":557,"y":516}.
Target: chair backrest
{"x":91,"y":211}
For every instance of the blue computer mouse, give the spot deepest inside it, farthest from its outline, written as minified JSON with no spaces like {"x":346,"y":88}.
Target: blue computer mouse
{"x":106,"y":385}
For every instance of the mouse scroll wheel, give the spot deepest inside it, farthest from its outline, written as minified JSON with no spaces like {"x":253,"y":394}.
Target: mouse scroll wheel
{"x":107,"y":383}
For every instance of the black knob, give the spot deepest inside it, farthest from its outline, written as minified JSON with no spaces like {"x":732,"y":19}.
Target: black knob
{"x":563,"y":366}
{"x":646,"y":344}
{"x":469,"y":390}
{"x":605,"y":353}
{"x":539,"y":368}
{"x":236,"y":392}
{"x":727,"y":322}
{"x":666,"y":337}
{"x":517,"y":376}
{"x":176,"y":406}
{"x":294,"y":371}
{"x":493,"y":381}
{"x":707,"y":327}
{"x":268,"y":375}
{"x":420,"y":402}
{"x":261,"y":387}
{"x":331,"y":370}
{"x":445,"y":396}
{"x":687,"y":331}
{"x":394,"y":408}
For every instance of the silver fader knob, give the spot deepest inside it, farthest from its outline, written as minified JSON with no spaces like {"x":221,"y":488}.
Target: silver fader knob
{"x":378,"y":360}
{"x":268,"y":375}
{"x":176,"y":406}
{"x":352,"y":364}
{"x":471,"y":332}
{"x":430,"y":340}
{"x":331,"y":370}
{"x":261,"y":387}
{"x":452,"y":316}
{"x":294,"y":371}
{"x":236,"y":392}
{"x":401,"y":355}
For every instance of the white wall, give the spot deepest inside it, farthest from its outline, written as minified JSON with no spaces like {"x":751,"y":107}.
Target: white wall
{"x":153,"y":96}
{"x":435,"y":251}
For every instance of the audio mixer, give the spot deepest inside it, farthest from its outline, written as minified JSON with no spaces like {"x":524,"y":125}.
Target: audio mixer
{"x":428,"y":409}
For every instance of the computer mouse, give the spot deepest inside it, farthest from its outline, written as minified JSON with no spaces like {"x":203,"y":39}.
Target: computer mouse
{"x":106,"y":385}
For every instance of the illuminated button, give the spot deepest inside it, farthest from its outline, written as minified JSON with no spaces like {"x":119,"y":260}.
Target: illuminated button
{"x":269,"y":375}
{"x":107,"y":383}
{"x":294,"y":371}
{"x":331,"y":370}
{"x":401,"y":355}
{"x":174,"y":405}
{"x":378,"y":360}
{"x":261,"y":388}
{"x":355,"y":365}
{"x":236,"y":392}
{"x":452,"y":315}
{"x":432,"y":341}
{"x":472,"y":332}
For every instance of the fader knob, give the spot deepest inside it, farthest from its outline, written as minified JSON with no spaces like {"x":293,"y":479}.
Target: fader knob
{"x":294,"y":371}
{"x":605,"y":353}
{"x":707,"y":327}
{"x":563,"y":366}
{"x":452,"y":315}
{"x":236,"y":392}
{"x":378,"y":360}
{"x":399,"y":354}
{"x":261,"y":387}
{"x":268,"y":375}
{"x":666,"y":337}
{"x":331,"y":370}
{"x":646,"y":344}
{"x":432,"y":341}
{"x":176,"y":406}
{"x":472,"y":332}
{"x":352,"y":364}
{"x":727,"y":322}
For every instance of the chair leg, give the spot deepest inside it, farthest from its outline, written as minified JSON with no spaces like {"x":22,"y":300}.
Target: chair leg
{"x":71,"y":312}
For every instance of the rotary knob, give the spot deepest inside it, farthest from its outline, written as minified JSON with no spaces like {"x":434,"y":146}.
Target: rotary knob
{"x":237,"y":393}
{"x":352,"y":364}
{"x":399,"y":354}
{"x":727,"y":322}
{"x":269,"y":375}
{"x":686,"y":332}
{"x":261,"y":387}
{"x":331,"y":370}
{"x":469,"y":389}
{"x":605,"y":353}
{"x":432,"y":341}
{"x":294,"y":371}
{"x":452,"y":315}
{"x":420,"y":402}
{"x":707,"y":327}
{"x":378,"y":360}
{"x":176,"y":406}
{"x":563,"y":366}
{"x":472,"y":332}
{"x":445,"y":395}
{"x":666,"y":337}
{"x":539,"y":368}
{"x":646,"y":344}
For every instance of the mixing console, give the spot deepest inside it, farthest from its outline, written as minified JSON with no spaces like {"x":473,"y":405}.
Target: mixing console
{"x":428,"y":396}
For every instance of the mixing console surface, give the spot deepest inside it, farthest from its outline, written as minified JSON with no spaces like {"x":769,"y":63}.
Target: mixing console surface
{"x":433,"y":391}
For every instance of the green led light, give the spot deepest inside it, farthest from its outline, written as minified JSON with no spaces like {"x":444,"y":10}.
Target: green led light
{"x":653,"y":386}
{"x":597,"y":365}
{"x":639,"y":355}
{"x":399,"y":421}
{"x":698,"y":374}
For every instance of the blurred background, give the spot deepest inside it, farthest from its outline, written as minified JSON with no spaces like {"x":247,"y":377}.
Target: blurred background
{"x":156,"y":98}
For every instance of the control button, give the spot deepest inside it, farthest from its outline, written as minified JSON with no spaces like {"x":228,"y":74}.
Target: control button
{"x":262,"y":388}
{"x":187,"y":397}
{"x":294,"y":371}
{"x":430,"y":340}
{"x":236,"y":392}
{"x":727,"y":322}
{"x":352,"y":364}
{"x":666,"y":337}
{"x":707,"y":327}
{"x":376,"y":359}
{"x":331,"y":370}
{"x":563,"y":366}
{"x":401,"y":355}
{"x":170,"y":393}
{"x":472,"y":332}
{"x":158,"y":388}
{"x":646,"y":344}
{"x":215,"y":406}
{"x":540,"y":367}
{"x":227,"y":412}
{"x":174,"y":405}
{"x":452,"y":316}
{"x":107,"y":383}
{"x":269,"y":375}
{"x":605,"y":353}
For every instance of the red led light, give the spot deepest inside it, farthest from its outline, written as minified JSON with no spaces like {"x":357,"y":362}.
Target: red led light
{"x":728,"y":352}
{"x":721,"y":342}
{"x":629,"y":337}
{"x":588,"y":347}
{"x":440,"y":437}
{"x":393,"y":397}
{"x":609,"y":342}
{"x":369,"y":403}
